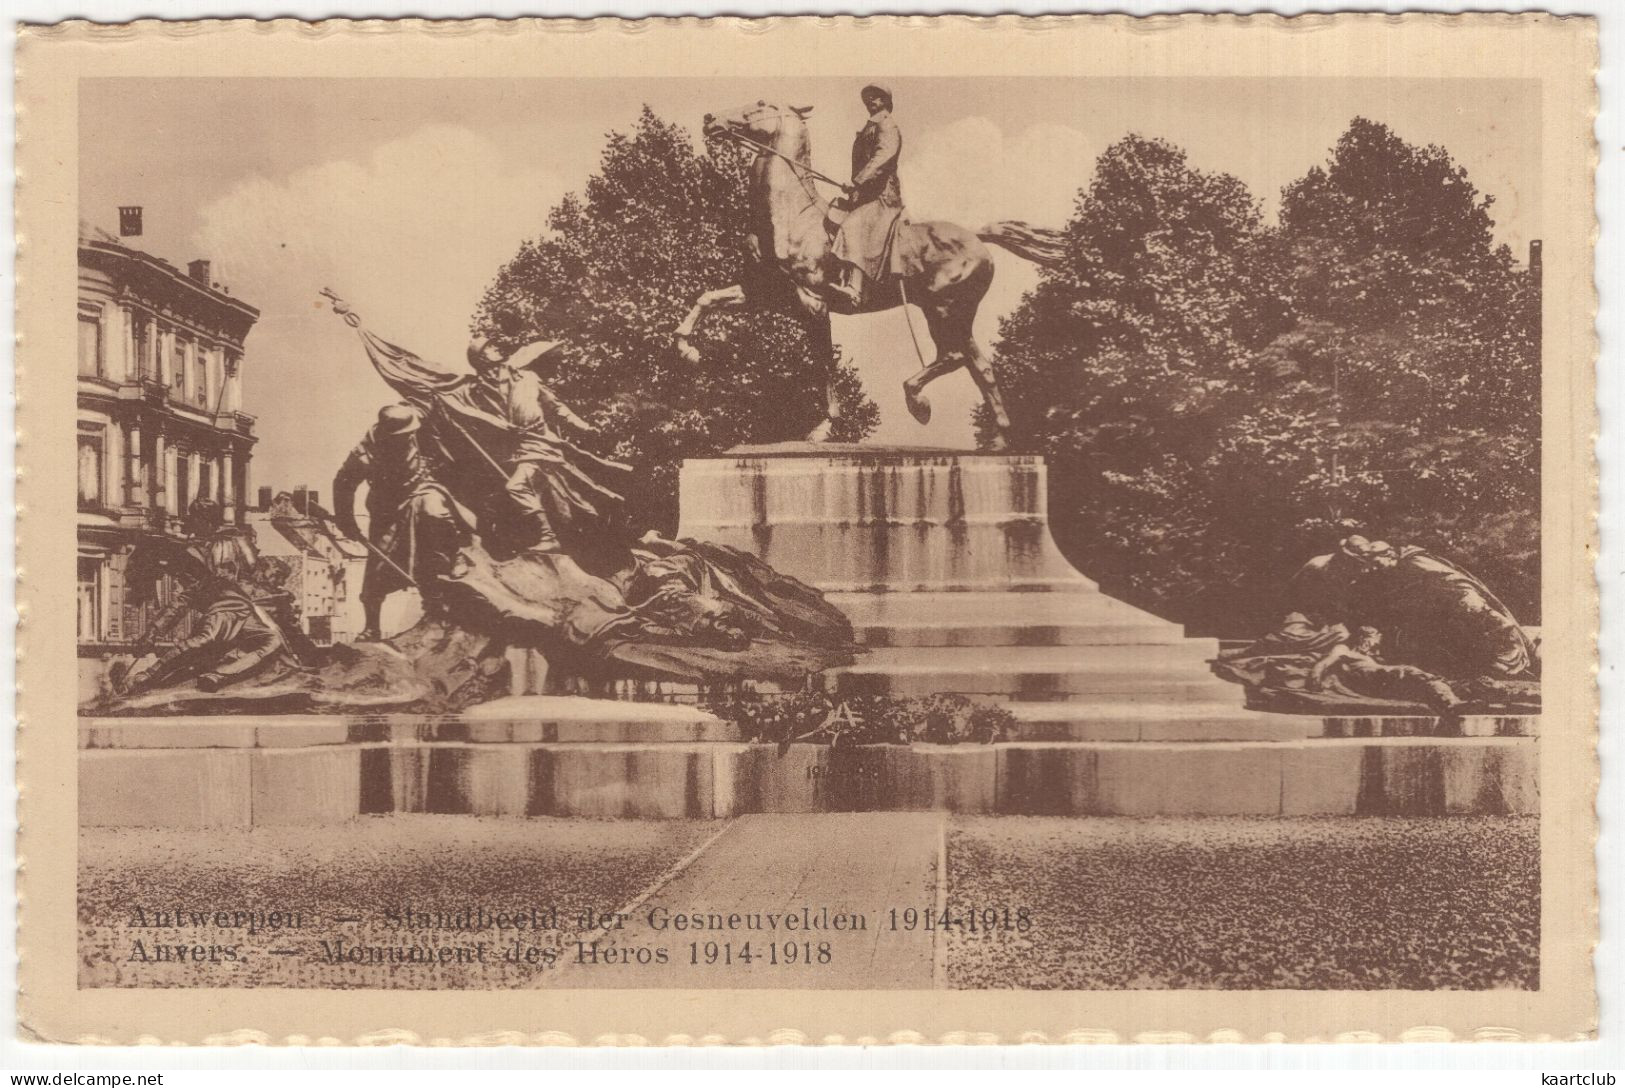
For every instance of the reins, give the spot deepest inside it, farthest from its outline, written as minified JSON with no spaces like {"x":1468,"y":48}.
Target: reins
{"x":902,"y":293}
{"x":766,"y":150}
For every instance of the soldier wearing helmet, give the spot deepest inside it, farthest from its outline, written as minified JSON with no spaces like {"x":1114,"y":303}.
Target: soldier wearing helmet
{"x":874,"y":197}
{"x":415,"y":527}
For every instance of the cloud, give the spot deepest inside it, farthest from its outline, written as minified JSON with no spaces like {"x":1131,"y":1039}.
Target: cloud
{"x":970,"y":172}
{"x":409,"y":233}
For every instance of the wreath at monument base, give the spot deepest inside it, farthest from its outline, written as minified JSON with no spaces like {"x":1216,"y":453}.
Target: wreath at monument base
{"x":816,"y":717}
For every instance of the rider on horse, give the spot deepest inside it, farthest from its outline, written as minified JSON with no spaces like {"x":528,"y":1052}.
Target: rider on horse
{"x":873,"y":201}
{"x":945,"y":270}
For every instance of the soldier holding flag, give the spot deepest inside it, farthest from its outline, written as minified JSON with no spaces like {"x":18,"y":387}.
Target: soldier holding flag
{"x":554,"y":484}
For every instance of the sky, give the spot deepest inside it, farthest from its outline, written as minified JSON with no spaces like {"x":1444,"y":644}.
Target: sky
{"x":405,"y":196}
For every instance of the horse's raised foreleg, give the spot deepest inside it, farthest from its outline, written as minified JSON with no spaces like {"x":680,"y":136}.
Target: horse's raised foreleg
{"x":914,"y":385}
{"x":724,"y":297}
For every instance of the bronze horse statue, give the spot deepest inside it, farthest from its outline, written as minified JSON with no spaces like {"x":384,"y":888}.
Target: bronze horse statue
{"x":942,"y":268}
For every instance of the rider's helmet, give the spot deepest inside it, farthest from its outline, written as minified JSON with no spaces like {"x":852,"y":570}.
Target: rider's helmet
{"x":875,"y":90}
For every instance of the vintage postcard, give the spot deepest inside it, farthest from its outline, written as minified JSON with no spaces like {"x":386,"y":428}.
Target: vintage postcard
{"x":984,"y":529}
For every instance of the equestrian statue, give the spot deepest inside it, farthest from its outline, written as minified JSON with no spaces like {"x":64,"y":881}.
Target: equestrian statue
{"x":810,"y":257}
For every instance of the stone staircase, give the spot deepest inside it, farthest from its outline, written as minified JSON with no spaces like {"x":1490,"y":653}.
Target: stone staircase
{"x":945,"y":565}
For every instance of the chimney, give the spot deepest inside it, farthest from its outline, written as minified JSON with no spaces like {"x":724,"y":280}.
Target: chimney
{"x":301,"y":498}
{"x":265,"y":498}
{"x":1535,"y":261}
{"x":129,"y":221}
{"x":199,"y":270}
{"x":315,"y":501}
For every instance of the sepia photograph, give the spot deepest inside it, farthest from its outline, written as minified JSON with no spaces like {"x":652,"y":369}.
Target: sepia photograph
{"x":987,"y":531}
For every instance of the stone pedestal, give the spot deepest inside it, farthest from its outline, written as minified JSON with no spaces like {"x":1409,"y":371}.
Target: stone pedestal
{"x":945,"y":564}
{"x":563,"y":756}
{"x":882,"y":519}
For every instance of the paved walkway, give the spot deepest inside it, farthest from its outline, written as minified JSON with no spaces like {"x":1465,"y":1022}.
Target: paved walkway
{"x":823,"y":869}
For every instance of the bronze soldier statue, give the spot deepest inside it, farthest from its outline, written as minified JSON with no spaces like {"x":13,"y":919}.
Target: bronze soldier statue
{"x":555,"y":485}
{"x":1358,"y":666}
{"x":873,"y":200}
{"x":230,"y":551}
{"x":415,"y":527}
{"x":233,"y":639}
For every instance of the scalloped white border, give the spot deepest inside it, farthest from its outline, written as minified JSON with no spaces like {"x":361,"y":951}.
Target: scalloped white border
{"x":1609,"y":266}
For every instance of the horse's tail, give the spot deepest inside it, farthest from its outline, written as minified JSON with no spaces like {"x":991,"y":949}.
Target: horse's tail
{"x":1039,"y":245}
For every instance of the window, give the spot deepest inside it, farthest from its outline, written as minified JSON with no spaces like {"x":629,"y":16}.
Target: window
{"x":92,"y":466}
{"x":205,"y":480}
{"x":183,"y":482}
{"x":90,"y":599}
{"x":177,"y":364}
{"x":90,"y":346}
{"x":200,"y":377}
{"x":151,"y":469}
{"x":149,"y":350}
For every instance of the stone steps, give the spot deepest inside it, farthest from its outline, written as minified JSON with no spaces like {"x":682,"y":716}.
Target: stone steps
{"x":1172,"y":673}
{"x":1167,"y":657}
{"x":1072,"y":608}
{"x":1077,"y":688}
{"x":904,"y":635}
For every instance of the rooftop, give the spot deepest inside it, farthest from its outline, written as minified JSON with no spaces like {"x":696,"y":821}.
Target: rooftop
{"x":95,"y":238}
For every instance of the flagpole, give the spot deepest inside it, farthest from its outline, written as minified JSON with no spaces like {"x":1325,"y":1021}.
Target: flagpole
{"x":439,"y":402}
{"x":379,"y":552}
{"x":352,"y":319}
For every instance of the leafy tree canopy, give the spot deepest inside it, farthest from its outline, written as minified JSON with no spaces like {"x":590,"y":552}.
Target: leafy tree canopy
{"x":1219,"y":399}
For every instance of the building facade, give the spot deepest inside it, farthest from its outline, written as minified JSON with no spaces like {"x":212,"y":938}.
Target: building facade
{"x":315,"y":563}
{"x":160,"y":420}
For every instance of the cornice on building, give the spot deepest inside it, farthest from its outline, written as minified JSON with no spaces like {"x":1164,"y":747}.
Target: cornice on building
{"x":154,"y":282}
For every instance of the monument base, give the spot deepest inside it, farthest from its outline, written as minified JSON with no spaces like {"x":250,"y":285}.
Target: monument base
{"x":563,"y":756}
{"x":944,"y":563}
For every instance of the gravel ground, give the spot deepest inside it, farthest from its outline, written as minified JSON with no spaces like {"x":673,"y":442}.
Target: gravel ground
{"x":408,"y":863}
{"x":1115,"y":904}
{"x":1448,"y":903}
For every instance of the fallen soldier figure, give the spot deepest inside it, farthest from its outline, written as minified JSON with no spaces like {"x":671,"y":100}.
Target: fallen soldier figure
{"x":234,"y":640}
{"x":1358,"y":670}
{"x":1441,"y":630}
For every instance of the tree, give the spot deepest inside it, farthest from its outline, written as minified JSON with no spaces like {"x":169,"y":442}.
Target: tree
{"x":1425,"y":350}
{"x":1118,"y":361}
{"x":657,"y":225}
{"x":1219,"y":401}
